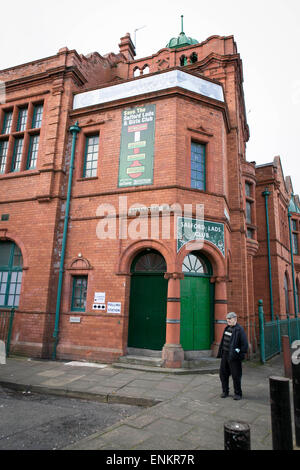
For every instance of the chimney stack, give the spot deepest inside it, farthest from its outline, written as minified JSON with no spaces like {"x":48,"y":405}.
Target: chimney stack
{"x":127,"y":47}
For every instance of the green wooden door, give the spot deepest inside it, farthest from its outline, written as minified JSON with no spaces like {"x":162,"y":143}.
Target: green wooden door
{"x":195,"y":316}
{"x":147,"y":312}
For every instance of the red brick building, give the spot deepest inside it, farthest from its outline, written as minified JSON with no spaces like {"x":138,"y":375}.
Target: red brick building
{"x":93,"y":258}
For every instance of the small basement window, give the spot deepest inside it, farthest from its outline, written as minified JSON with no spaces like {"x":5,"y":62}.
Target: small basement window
{"x":79,"y":290}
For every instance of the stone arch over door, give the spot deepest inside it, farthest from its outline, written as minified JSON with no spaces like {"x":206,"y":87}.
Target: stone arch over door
{"x":128,"y":255}
{"x":213,"y":255}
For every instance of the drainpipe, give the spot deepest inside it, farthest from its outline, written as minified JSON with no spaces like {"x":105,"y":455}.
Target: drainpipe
{"x":266,"y":194}
{"x":74,"y":131}
{"x":292,"y":260}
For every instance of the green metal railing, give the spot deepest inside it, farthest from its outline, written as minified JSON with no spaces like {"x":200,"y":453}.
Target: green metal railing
{"x":6,"y":323}
{"x":270,"y":333}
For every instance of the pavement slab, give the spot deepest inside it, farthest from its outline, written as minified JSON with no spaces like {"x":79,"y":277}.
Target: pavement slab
{"x":177,"y":411}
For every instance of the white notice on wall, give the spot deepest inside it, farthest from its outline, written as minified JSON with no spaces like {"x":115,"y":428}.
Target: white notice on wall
{"x":74,"y":319}
{"x":99,"y":298}
{"x":113,"y":307}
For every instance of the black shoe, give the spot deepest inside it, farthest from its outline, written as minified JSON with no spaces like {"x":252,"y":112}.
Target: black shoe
{"x":224,"y":395}
{"x":237,"y":397}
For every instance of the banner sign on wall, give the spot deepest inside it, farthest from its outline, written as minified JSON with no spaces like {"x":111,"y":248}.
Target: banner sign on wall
{"x":137,"y":146}
{"x":189,"y":229}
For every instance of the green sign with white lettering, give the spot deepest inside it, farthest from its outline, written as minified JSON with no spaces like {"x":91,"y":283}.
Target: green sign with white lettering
{"x":137,"y":146}
{"x":189,"y":229}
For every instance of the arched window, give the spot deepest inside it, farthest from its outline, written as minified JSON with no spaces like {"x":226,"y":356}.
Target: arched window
{"x":183,"y":60}
{"x":136,"y":72}
{"x":193,"y":58}
{"x":146,"y":69}
{"x":193,"y":263}
{"x":149,"y":261}
{"x":11,"y":265}
{"x":286,"y":293}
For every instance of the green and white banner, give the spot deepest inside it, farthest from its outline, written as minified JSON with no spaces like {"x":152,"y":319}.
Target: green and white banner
{"x":189,"y":229}
{"x":137,"y":146}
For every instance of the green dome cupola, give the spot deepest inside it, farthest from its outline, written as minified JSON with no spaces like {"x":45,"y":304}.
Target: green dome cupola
{"x":182,"y":40}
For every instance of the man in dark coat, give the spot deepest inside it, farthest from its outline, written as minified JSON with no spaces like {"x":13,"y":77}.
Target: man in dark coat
{"x":232,"y":350}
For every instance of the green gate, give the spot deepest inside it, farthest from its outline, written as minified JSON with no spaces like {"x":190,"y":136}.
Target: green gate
{"x":196,"y":315}
{"x":148,"y":302}
{"x":271,"y":332}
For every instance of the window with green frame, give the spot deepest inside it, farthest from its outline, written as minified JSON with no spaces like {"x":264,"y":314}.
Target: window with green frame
{"x":198,"y":166}
{"x":7,"y":122}
{"x":23,"y":124}
{"x":295,"y":237}
{"x":17,"y":156}
{"x":37,"y":116}
{"x":11,"y":267}
{"x":3,"y":154}
{"x":33,"y":151}
{"x":295,"y":243}
{"x":79,"y":290}
{"x":248,"y":189}
{"x":22,"y":119}
{"x":91,"y":156}
{"x":249,"y":212}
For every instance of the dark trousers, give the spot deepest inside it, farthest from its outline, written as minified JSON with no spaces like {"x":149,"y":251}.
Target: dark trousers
{"x":233,"y":368}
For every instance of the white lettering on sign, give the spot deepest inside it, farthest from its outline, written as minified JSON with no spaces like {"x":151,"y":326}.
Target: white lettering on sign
{"x":113,"y":307}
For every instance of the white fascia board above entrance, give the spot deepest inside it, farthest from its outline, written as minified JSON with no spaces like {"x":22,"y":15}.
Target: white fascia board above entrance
{"x":162,"y":81}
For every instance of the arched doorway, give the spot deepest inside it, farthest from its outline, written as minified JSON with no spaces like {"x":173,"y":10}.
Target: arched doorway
{"x":148,"y":301}
{"x":196,"y":313}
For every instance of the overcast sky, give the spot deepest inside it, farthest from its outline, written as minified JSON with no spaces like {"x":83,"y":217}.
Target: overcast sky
{"x":266,"y":33}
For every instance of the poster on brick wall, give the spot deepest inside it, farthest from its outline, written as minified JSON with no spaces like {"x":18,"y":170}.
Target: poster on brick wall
{"x":137,"y":146}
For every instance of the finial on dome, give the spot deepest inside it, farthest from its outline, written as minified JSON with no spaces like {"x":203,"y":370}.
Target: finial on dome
{"x":182,"y":40}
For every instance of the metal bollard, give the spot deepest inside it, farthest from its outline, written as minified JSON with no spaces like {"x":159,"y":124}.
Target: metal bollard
{"x":236,"y":436}
{"x":296,"y":389}
{"x":282,"y":436}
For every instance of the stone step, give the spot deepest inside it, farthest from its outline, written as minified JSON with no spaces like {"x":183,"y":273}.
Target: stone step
{"x":207,"y":365}
{"x":141,"y":360}
{"x":165,"y":370}
{"x":143,"y":352}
